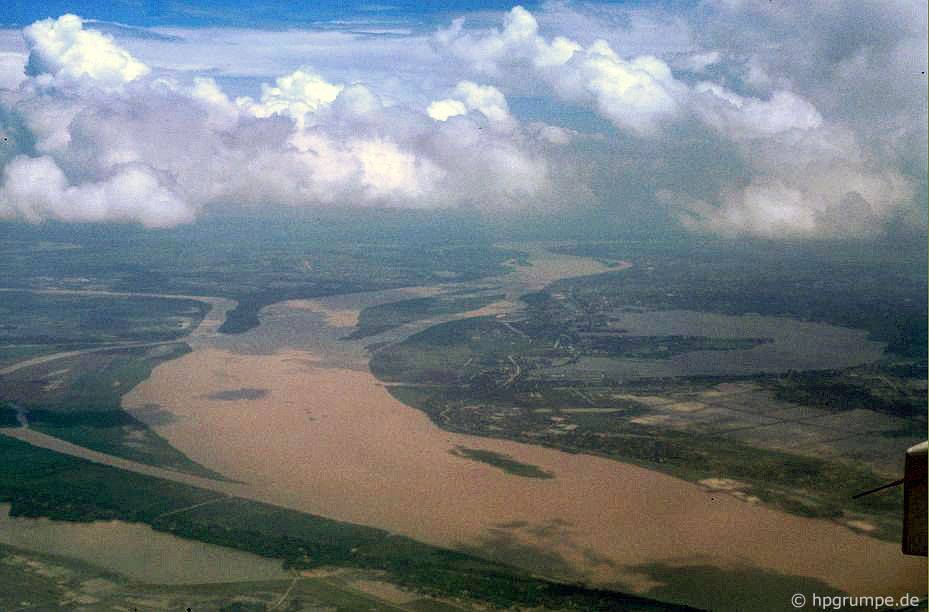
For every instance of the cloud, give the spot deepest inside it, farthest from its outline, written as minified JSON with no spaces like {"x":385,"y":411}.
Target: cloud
{"x":795,"y":149}
{"x":99,"y":146}
{"x":35,"y":188}
{"x":833,"y":133}
{"x":698,"y":62}
{"x":468,"y":96}
{"x":800,"y":119}
{"x":745,"y":118}
{"x":553,"y":134}
{"x":442,"y":110}
{"x":803,"y":184}
{"x":836,"y":202}
{"x":387,"y":171}
{"x":637,"y":94}
{"x":63,"y":48}
{"x":294,"y":95}
{"x":12,"y":69}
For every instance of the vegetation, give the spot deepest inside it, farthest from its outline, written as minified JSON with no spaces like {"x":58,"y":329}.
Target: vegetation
{"x":378,"y":319}
{"x":78,"y":399}
{"x":864,"y":286}
{"x":8,"y":416}
{"x":13,"y":353}
{"x":504,"y":462}
{"x":245,"y":315}
{"x":254,"y":263}
{"x":884,"y":387}
{"x":663,"y":347}
{"x":452,"y":352}
{"x":510,"y":378}
{"x":82,"y":320}
{"x":42,"y":483}
{"x":520,"y":378}
{"x":807,"y":486}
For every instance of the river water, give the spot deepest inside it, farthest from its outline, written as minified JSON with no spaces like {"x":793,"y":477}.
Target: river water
{"x":291,"y":410}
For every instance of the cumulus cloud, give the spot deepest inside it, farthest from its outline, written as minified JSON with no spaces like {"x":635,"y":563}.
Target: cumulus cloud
{"x":834,"y":202}
{"x":386,"y":170}
{"x":485,"y":99}
{"x":834,"y":133}
{"x":553,"y":134}
{"x":807,"y":164}
{"x":442,"y":110}
{"x":35,"y":188}
{"x":63,"y":48}
{"x":807,"y":182}
{"x":12,"y":69}
{"x":112,"y":143}
{"x":792,"y":120}
{"x":636,"y":94}
{"x":295,"y":95}
{"x":745,"y":118}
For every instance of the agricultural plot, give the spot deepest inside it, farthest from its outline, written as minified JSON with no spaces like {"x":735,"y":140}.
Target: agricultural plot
{"x":800,"y":415}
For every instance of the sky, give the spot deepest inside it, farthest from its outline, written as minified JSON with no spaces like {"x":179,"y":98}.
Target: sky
{"x":772,"y":119}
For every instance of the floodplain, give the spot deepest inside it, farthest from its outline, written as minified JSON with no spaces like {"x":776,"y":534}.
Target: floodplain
{"x":540,"y":420}
{"x":355,"y":453}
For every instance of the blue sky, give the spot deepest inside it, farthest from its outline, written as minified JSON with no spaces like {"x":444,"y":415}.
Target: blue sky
{"x":241,"y":13}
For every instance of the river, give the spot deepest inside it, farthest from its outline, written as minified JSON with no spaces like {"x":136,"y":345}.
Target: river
{"x":291,"y":410}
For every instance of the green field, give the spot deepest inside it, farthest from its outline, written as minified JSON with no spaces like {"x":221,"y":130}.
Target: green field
{"x":78,"y":399}
{"x":13,"y":353}
{"x":517,"y":379}
{"x":504,"y":462}
{"x":377,"y":319}
{"x":806,"y":486}
{"x":28,"y":318}
{"x":865,"y":286}
{"x":256,"y":264}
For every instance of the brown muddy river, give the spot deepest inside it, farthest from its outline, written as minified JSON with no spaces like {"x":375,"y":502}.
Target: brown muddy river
{"x":137,"y":551}
{"x":292,"y":410}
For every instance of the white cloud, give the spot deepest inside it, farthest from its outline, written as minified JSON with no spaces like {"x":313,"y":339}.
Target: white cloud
{"x":743,"y":118}
{"x":35,"y":188}
{"x":222,"y":112}
{"x":468,"y":96}
{"x":767,"y":210}
{"x":442,"y":110}
{"x":62,"y":47}
{"x":12,"y":69}
{"x":636,"y":94}
{"x":486,"y":99}
{"x":357,"y":101}
{"x":294,"y":95}
{"x":156,"y":151}
{"x":824,"y":198}
{"x":553,"y":134}
{"x":820,"y":132}
{"x":387,"y":171}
